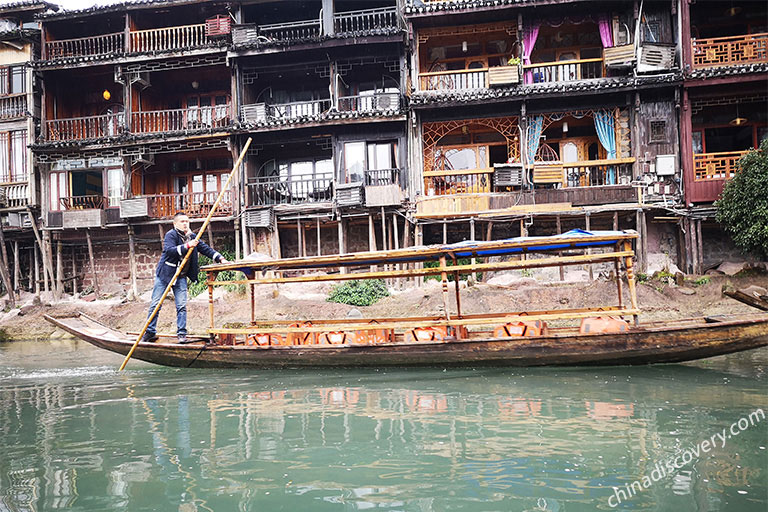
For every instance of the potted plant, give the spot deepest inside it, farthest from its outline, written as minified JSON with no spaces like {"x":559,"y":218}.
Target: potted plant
{"x":505,"y":75}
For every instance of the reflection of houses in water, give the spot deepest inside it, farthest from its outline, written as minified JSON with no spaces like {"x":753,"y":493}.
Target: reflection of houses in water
{"x":607,"y":410}
{"x":519,"y":407}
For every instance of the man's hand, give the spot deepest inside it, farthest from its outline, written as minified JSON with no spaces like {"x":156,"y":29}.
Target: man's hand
{"x":192,"y":243}
{"x":223,"y":260}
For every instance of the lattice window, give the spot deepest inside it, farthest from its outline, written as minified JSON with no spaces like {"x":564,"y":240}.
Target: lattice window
{"x":658,"y":131}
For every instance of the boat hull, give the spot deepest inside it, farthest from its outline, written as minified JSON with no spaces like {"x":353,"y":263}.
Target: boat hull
{"x":669,"y":343}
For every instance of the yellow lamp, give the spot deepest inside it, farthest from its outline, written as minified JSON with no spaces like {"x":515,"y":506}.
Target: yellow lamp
{"x":106,"y":94}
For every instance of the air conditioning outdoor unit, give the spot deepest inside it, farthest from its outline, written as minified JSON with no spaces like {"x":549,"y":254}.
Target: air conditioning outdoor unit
{"x":19,"y":220}
{"x":146,"y":159}
{"x":508,"y":175}
{"x":141,"y":79}
{"x":259,"y":218}
{"x":134,"y":207}
{"x":349,"y":194}
{"x":254,"y":113}
{"x":655,"y":57}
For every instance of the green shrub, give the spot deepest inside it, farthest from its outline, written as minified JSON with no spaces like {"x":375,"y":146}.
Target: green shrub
{"x":359,"y":292}
{"x":702,"y":281}
{"x":460,"y":261}
{"x":198,"y":287}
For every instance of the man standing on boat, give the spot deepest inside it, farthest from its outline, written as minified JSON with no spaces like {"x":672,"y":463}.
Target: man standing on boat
{"x":175,"y":246}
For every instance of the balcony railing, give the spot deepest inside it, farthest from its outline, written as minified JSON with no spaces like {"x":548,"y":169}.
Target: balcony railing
{"x":598,"y":173}
{"x":383,"y":177}
{"x":273,"y":190}
{"x":194,"y":204}
{"x":365,"y":21}
{"x":79,"y":128}
{"x":13,"y":106}
{"x":563,"y":71}
{"x":716,"y":166}
{"x":16,"y":195}
{"x":291,"y":31}
{"x":471,"y":181}
{"x":155,"y":121}
{"x":168,"y":38}
{"x":370,"y":103}
{"x":730,"y":51}
{"x":83,"y":202}
{"x":85,"y":46}
{"x":298,"y":109}
{"x":454,"y":80}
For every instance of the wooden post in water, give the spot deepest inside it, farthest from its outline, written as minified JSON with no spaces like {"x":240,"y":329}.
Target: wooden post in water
{"x":319,"y":251}
{"x":92,"y":263}
{"x":17,"y":268}
{"x":74,"y":272}
{"x":59,"y":270}
{"x":37,"y":271}
{"x":631,"y":278}
{"x":47,"y":261}
{"x":444,"y":281}
{"x":561,"y":268}
{"x":588,"y":226}
{"x":419,"y":240}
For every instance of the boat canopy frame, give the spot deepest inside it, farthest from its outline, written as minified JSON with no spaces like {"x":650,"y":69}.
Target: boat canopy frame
{"x":615,"y":246}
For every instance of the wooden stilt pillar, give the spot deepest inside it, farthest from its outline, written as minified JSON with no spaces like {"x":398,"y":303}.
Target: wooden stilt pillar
{"x":17,"y":268}
{"x":473,"y":260}
{"x":92,"y":263}
{"x":419,"y":240}
{"x":44,"y":254}
{"x":342,"y":242}
{"x":699,"y":248}
{"x":384,"y":239}
{"x":4,"y":269}
{"x":237,"y":238}
{"x":444,"y":281}
{"x":631,"y":279}
{"x":74,"y":272}
{"x":210,"y":237}
{"x":489,"y":232}
{"x":161,"y":233}
{"x":37,"y":271}
{"x":615,"y":221}
{"x":132,"y":261}
{"x":303,"y":240}
{"x":298,"y":238}
{"x":59,"y":270}
{"x":588,"y":227}
{"x":371,"y":237}
{"x":559,"y":228}
{"x":396,"y":240}
{"x":445,"y":232}
{"x":642,"y":239}
{"x":319,"y":249}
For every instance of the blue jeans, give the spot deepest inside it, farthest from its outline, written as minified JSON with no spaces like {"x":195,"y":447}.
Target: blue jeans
{"x":179,"y":296}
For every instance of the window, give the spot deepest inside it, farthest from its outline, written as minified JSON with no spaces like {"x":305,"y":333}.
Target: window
{"x":697,"y":143}
{"x":13,"y":156}
{"x":114,"y":186}
{"x":13,"y":80}
{"x":308,"y":179}
{"x":362,"y":158}
{"x":658,"y":131}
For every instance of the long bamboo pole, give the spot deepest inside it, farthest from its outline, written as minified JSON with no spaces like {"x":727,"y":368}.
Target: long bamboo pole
{"x":187,"y":255}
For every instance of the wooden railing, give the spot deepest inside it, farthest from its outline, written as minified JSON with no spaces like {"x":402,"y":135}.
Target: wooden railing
{"x":78,"y":128}
{"x":291,"y":31}
{"x":716,"y":166}
{"x":168,"y":38}
{"x":274,"y":190}
{"x":194,"y":204}
{"x":383,"y":177}
{"x":563,"y":71}
{"x":83,"y":202}
{"x":454,"y":80}
{"x":370,"y":103}
{"x":13,"y":106}
{"x":597,"y":173}
{"x":16,"y":195}
{"x":155,"y":121}
{"x":298,"y":109}
{"x":84,"y":46}
{"x":729,"y":51}
{"x":471,"y":181}
{"x":364,"y":21}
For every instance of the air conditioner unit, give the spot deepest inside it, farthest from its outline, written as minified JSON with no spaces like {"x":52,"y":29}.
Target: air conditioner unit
{"x":146,"y":159}
{"x":349,"y":194}
{"x":3,"y":197}
{"x":255,"y":113}
{"x":141,"y":79}
{"x":259,"y":218}
{"x":385,"y":102}
{"x":655,"y":57}
{"x":19,"y":220}
{"x":665,"y":165}
{"x":508,"y":175}
{"x":135,"y":207}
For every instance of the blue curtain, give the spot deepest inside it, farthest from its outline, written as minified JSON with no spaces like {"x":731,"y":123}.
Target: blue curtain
{"x":534,"y":137}
{"x":604,"y":125}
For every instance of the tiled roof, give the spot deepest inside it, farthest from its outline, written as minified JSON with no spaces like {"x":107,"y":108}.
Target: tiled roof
{"x":115,"y":7}
{"x":724,"y":71}
{"x":384,"y":31}
{"x":415,"y":7}
{"x":332,"y":115}
{"x":126,"y":138}
{"x":65,"y":61}
{"x":27,"y":4}
{"x":522,"y":91}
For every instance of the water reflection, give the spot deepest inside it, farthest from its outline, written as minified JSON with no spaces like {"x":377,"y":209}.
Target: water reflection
{"x":88,"y":438}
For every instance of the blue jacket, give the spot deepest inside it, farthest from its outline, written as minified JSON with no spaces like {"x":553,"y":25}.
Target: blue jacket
{"x":173,"y":252}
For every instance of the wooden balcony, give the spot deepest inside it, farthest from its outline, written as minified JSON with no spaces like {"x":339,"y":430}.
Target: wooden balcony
{"x":454,"y":80}
{"x":83,"y":202}
{"x":291,"y":31}
{"x":365,"y":21}
{"x":265,"y":191}
{"x":159,"y":121}
{"x":716,"y":166}
{"x":14,"y":195}
{"x":729,"y":51}
{"x":81,"y":128}
{"x":471,"y":181}
{"x":195,"y":204}
{"x":13,"y":106}
{"x":168,"y":38}
{"x":84,"y":46}
{"x":563,"y":71}
{"x":370,"y":103}
{"x":378,"y":177}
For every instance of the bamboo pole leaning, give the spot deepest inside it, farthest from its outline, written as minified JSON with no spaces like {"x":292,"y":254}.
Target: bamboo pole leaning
{"x":188,"y":254}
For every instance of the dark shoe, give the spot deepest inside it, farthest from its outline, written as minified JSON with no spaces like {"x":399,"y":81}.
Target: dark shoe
{"x":149,"y":338}
{"x":183,"y":339}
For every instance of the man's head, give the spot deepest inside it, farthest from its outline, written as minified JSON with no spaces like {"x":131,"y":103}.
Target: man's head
{"x":181,"y":222}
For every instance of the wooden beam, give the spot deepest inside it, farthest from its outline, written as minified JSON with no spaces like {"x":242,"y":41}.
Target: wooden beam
{"x":92,"y":263}
{"x":4,"y":270}
{"x":17,"y":268}
{"x":74,"y":272}
{"x":560,"y":253}
{"x":588,"y":227}
{"x":699,"y":248}
{"x":37,"y":271}
{"x":59,"y":269}
{"x":132,"y":260}
{"x":319,"y":250}
{"x":47,"y":260}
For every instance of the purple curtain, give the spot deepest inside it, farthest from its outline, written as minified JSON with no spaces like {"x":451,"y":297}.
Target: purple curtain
{"x":530,"y":34}
{"x":606,"y":31}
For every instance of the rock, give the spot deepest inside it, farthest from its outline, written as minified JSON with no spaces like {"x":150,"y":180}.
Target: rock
{"x":731,"y":268}
{"x":713,"y":272}
{"x":89,"y":298}
{"x":660,"y":262}
{"x":354,"y":313}
{"x":686,"y":291}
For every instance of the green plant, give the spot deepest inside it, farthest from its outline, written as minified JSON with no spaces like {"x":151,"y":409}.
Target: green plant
{"x":743,"y":206}
{"x":514,"y":61}
{"x":460,"y":261}
{"x":526,"y":272}
{"x":359,"y":292}
{"x":702,"y":281}
{"x":4,"y":335}
{"x":197,"y":287}
{"x":642,"y":278}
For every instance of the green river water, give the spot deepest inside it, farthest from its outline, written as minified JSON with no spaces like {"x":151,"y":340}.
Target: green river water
{"x":77,"y":435}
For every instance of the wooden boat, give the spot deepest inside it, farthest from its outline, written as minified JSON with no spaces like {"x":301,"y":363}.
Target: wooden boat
{"x":510,"y":339}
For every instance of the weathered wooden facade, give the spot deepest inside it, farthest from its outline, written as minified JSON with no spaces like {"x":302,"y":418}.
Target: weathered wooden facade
{"x":381,"y":124}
